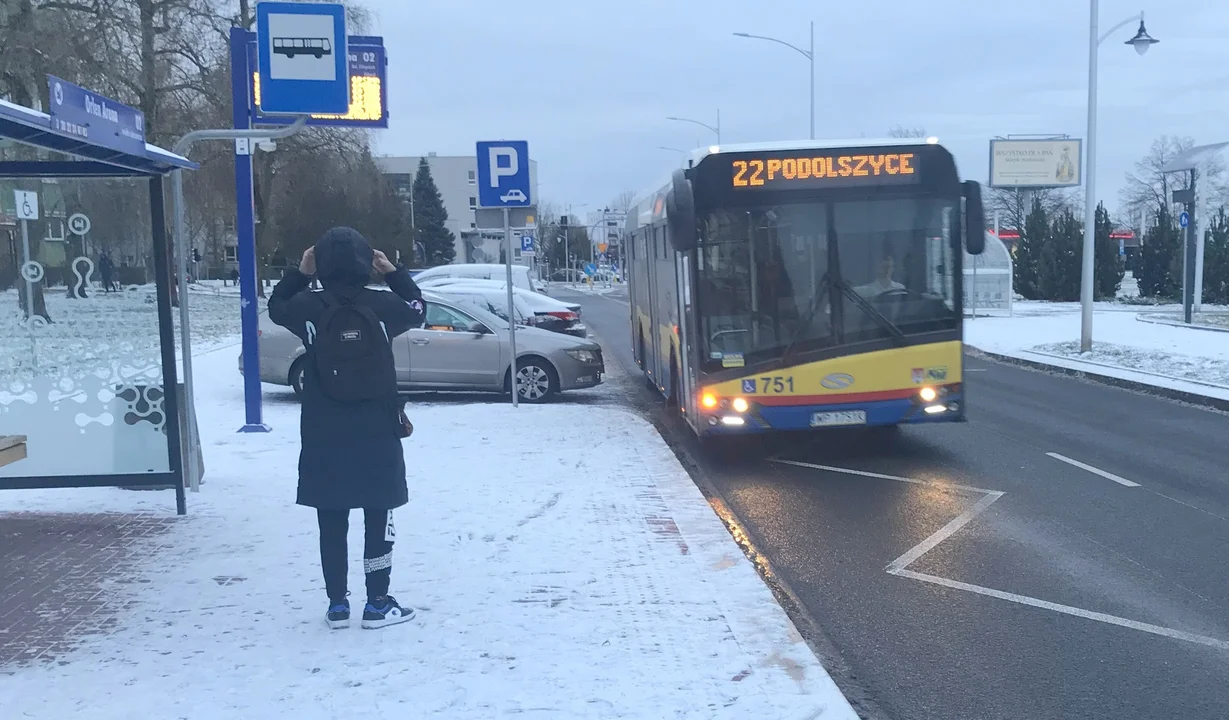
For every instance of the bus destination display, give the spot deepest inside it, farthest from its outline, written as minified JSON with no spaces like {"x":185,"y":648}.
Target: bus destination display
{"x":797,"y":170}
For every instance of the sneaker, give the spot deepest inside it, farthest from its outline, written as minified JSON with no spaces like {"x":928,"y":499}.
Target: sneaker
{"x":383,"y":611}
{"x":338,"y":616}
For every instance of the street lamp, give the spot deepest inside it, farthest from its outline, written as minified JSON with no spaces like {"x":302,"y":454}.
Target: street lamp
{"x":1141,"y":42}
{"x":703,"y":125}
{"x":808,"y":54}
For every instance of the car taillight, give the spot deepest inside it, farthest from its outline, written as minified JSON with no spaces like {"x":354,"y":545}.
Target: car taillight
{"x":564,"y":314}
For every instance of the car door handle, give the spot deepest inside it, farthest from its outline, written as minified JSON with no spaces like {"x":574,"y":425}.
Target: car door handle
{"x":421,"y":341}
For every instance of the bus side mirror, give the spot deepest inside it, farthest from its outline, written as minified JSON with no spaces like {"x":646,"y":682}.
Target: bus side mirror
{"x":681,"y":213}
{"x":975,"y":219}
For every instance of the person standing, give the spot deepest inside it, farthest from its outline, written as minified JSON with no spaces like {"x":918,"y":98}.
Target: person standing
{"x":351,"y":455}
{"x":106,"y":269}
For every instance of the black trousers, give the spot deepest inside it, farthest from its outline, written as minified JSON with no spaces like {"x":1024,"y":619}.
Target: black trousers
{"x":377,"y":551}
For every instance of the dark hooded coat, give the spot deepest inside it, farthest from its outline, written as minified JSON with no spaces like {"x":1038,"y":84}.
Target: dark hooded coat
{"x":352,"y":456}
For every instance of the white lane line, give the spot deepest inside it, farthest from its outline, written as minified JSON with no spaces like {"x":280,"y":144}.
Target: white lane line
{"x":917,"y":551}
{"x":975,"y":369}
{"x":881,"y":476}
{"x":898,"y":567}
{"x":1065,"y":609}
{"x":1095,"y":471}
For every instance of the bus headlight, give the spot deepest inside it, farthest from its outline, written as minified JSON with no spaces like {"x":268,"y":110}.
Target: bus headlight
{"x":928,"y":394}
{"x":739,"y":405}
{"x":708,"y":400}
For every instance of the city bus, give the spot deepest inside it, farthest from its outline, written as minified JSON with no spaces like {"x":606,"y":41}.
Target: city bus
{"x":791,"y":286}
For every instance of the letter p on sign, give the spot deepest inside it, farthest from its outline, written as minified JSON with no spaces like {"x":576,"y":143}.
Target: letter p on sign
{"x":503,"y":164}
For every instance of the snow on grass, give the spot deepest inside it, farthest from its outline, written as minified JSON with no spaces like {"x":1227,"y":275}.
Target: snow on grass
{"x":558,"y":573}
{"x":1123,"y":346}
{"x":1219,"y":320}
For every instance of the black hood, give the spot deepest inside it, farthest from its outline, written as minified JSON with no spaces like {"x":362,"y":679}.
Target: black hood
{"x":343,"y":258}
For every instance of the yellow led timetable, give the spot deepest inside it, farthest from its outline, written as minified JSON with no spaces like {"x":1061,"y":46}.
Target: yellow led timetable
{"x":365,"y":99}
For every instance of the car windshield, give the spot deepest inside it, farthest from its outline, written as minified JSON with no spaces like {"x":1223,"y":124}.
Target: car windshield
{"x":782,"y":278}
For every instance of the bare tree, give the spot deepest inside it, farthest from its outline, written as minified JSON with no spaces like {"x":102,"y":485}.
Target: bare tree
{"x":899,"y":131}
{"x":623,"y":201}
{"x":1147,"y":189}
{"x":1013,"y":205}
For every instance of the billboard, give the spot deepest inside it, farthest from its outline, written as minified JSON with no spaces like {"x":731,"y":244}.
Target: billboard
{"x":1035,"y":163}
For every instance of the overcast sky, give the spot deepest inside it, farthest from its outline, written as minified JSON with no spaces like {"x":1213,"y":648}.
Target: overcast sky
{"x":589,"y":84}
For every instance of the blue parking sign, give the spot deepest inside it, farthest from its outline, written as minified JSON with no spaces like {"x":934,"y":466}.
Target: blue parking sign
{"x":526,"y":243}
{"x":503,"y":174}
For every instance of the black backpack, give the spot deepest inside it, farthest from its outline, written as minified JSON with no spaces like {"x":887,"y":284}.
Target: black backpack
{"x":354,"y":359}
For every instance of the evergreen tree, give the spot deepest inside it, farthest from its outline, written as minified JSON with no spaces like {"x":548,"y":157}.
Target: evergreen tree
{"x":1028,"y":249}
{"x":430,"y":217}
{"x":1058,"y":266}
{"x":1160,"y":260}
{"x":1109,"y":268}
{"x":1216,"y":260}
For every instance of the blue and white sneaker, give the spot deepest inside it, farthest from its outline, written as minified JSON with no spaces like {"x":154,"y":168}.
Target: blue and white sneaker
{"x":338,"y":616}
{"x":384,"y":611}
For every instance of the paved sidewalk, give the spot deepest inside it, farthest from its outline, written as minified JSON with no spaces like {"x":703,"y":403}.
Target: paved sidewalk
{"x":563,"y":563}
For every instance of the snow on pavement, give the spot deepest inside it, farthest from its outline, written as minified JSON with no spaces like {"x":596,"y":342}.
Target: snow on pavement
{"x":1194,"y":361}
{"x":563,"y":563}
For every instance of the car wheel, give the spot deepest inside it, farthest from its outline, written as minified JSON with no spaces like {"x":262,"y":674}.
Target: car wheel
{"x":536,"y":380}
{"x":297,"y":371}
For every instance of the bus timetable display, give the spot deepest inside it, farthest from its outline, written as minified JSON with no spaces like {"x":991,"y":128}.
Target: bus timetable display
{"x":796,"y":170}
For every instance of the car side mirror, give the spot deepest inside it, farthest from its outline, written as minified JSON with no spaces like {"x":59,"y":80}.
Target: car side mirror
{"x":975,"y":219}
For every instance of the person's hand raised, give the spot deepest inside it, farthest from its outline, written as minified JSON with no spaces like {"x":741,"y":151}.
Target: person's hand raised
{"x":307,"y":265}
{"x":381,"y":264}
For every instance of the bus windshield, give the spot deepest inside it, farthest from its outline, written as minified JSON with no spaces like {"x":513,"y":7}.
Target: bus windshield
{"x":806,"y":275}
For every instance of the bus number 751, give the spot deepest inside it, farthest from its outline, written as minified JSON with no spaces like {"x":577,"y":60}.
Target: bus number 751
{"x":775,"y":384}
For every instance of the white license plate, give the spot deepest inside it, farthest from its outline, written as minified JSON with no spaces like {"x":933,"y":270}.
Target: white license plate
{"x":838,"y":417}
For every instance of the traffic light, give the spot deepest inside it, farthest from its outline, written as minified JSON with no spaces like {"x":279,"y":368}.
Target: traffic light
{"x":196,"y":255}
{"x":563,"y":220}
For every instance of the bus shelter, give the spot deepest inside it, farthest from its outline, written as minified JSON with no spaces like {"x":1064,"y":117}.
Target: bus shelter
{"x":988,"y":278}
{"x":85,"y":360}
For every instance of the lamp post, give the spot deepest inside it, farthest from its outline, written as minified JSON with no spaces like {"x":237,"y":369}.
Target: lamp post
{"x":1141,"y":42}
{"x":808,"y":54}
{"x":716,"y":130}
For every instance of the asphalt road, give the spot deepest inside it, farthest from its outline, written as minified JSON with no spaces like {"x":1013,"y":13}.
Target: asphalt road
{"x":965,"y":572}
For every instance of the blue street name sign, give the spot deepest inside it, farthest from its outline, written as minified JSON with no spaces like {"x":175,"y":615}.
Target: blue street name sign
{"x":503,"y":174}
{"x":302,"y":58}
{"x":526,"y":243}
{"x":78,"y":112}
{"x":368,"y":88}
{"x":1184,"y":219}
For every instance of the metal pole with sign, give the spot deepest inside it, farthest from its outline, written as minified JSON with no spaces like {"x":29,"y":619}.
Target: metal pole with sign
{"x":511,"y":304}
{"x":504,"y":182}
{"x":26,"y":203}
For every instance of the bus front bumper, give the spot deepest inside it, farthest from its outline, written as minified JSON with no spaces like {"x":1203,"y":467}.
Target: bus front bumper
{"x":901,"y":411}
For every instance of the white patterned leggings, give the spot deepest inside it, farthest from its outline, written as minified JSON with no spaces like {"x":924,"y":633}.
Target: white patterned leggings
{"x":378,"y":539}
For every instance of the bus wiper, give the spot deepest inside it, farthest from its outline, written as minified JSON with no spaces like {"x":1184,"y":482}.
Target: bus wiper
{"x":820,"y":293}
{"x":880,"y":319}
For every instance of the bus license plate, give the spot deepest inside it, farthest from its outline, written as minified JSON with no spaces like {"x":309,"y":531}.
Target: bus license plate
{"x":838,"y":417}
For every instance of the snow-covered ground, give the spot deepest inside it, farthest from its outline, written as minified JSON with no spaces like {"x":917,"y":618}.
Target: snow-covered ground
{"x":563,"y":563}
{"x":1124,"y":346}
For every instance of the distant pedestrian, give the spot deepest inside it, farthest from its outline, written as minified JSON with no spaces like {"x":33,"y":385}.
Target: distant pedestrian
{"x":351,"y":455}
{"x":106,"y":270}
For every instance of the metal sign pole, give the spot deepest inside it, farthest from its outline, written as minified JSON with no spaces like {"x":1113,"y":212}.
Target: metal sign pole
{"x":511,"y":305}
{"x":185,"y":335}
{"x":25,"y":249}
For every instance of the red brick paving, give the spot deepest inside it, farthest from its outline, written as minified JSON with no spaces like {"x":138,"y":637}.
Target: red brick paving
{"x":59,"y":574}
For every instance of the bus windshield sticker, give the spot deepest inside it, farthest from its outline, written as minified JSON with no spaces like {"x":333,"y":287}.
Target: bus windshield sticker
{"x":733,"y":360}
{"x":749,"y":386}
{"x":824,"y":171}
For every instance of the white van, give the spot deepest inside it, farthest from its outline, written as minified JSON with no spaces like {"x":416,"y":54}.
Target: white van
{"x":475,"y":271}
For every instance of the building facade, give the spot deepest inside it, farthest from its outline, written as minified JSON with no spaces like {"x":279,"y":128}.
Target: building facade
{"x":456,"y":176}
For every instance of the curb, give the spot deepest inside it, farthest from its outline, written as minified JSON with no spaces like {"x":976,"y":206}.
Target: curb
{"x":1143,"y":317}
{"x":1190,"y":398}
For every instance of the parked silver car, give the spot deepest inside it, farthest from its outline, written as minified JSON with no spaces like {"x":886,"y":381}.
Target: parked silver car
{"x":460,"y":347}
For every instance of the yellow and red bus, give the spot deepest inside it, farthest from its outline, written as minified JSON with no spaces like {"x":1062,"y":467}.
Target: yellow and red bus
{"x":805,"y":285}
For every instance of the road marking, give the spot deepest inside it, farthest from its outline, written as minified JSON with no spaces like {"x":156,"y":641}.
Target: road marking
{"x":1065,"y":609}
{"x":943,"y":533}
{"x":1095,"y":471}
{"x":975,"y":369}
{"x":899,"y":566}
{"x":881,"y":476}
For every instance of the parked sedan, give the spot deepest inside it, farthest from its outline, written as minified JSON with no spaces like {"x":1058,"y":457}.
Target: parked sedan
{"x":531,"y":309}
{"x":460,"y":347}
